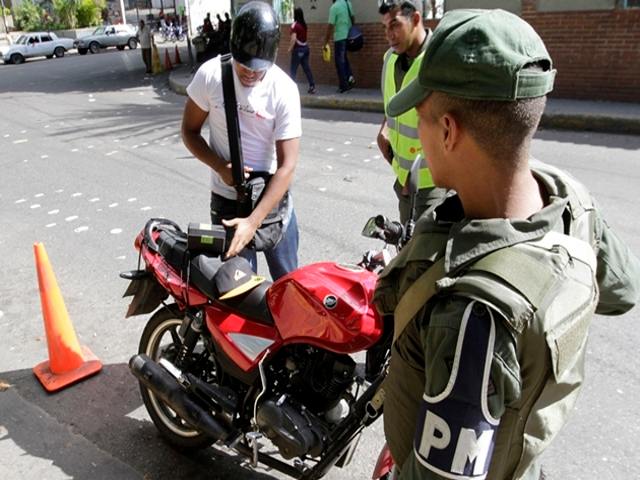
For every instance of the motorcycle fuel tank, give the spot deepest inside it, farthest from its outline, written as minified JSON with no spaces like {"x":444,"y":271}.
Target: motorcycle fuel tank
{"x":328,"y":305}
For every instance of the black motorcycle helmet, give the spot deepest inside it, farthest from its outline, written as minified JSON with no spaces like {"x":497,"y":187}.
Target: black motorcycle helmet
{"x":255,"y":34}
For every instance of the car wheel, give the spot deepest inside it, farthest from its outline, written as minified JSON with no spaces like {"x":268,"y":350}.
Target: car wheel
{"x":17,"y":59}
{"x":132,"y":43}
{"x":59,"y":52}
{"x":82,"y":51}
{"x":94,"y":47}
{"x":120,"y":47}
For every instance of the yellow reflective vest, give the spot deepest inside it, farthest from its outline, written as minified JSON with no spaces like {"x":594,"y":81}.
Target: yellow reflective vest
{"x":403,"y":129}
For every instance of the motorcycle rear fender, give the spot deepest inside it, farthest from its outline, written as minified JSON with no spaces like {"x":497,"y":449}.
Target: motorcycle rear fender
{"x":147,"y":293}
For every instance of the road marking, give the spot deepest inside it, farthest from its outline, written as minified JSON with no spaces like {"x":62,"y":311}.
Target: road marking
{"x":113,"y":152}
{"x":46,"y":126}
{"x":84,"y":228}
{"x":75,"y":150}
{"x":322,"y":189}
{"x":23,"y":131}
{"x":90,"y":146}
{"x":121,"y":257}
{"x":132,"y":199}
{"x":44,"y":156}
{"x":53,"y":212}
{"x":22,"y":200}
{"x":145,"y":144}
{"x":71,"y":218}
{"x":38,"y":195}
{"x":49,"y":225}
{"x":95,"y":199}
{"x":77,"y":194}
{"x":145,"y":209}
{"x":113,"y":205}
{"x":115,"y":231}
{"x":22,"y":140}
{"x":348,"y":142}
{"x":60,"y":190}
{"x":366,"y":160}
{"x":92,"y":99}
{"x":34,"y":206}
{"x":6,"y":135}
{"x":330,"y":149}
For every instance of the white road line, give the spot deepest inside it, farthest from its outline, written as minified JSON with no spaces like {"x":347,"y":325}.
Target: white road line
{"x":113,"y":152}
{"x":77,"y":194}
{"x":132,"y":199}
{"x":22,"y":140}
{"x":49,"y":225}
{"x":22,"y":200}
{"x":71,"y":218}
{"x":113,"y":205}
{"x":83,"y":228}
{"x":95,"y":199}
{"x":34,"y":206}
{"x":53,"y":212}
{"x":115,"y":231}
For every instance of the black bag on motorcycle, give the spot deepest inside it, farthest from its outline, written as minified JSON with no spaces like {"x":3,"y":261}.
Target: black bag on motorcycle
{"x":250,"y":191}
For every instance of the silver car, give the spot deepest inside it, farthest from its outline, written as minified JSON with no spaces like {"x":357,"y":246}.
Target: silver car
{"x":118,"y":36}
{"x":35,"y":44}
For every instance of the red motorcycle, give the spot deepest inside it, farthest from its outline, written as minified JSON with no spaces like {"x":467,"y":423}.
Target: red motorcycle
{"x":273,"y":361}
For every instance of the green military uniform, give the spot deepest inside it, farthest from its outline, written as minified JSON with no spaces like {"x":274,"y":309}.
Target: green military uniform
{"x":539,"y":313}
{"x":397,"y":72}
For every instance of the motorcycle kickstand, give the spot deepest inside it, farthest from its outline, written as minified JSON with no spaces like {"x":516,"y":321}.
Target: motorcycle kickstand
{"x":252,"y":440}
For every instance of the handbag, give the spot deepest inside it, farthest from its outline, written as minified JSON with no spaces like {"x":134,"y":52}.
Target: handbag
{"x":250,"y":191}
{"x":355,"y":39}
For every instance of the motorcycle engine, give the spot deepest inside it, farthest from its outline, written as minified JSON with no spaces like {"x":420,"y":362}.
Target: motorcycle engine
{"x":309,"y":387}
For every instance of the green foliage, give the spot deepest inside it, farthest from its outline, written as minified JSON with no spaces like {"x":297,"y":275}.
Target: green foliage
{"x":65,"y":13}
{"x":29,"y":16}
{"x":88,"y":12}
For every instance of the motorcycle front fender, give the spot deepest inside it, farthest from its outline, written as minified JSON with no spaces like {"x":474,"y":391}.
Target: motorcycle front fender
{"x":147,"y":293}
{"x":384,"y":465}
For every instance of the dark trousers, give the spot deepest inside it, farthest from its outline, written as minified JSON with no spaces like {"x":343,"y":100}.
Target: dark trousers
{"x":342,"y":63}
{"x":300,"y":56}
{"x":146,"y":58}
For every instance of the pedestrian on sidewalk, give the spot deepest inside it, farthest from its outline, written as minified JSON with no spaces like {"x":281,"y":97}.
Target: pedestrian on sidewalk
{"x":493,"y":297}
{"x":144,"y":38}
{"x":271,"y":125}
{"x":398,"y":136}
{"x":338,"y":28}
{"x":299,"y":49}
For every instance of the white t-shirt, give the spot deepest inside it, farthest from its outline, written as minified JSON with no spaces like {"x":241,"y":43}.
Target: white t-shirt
{"x":267,"y":112}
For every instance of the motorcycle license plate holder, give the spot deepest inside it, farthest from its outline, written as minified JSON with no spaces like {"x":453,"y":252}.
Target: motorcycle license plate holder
{"x":147,"y":294}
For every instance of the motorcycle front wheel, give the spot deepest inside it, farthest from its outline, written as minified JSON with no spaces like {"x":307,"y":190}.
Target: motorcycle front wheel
{"x":160,"y":340}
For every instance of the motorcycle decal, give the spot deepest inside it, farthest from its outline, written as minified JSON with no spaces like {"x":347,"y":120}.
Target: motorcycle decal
{"x":456,"y":433}
{"x":330,"y":302}
{"x":250,"y":345}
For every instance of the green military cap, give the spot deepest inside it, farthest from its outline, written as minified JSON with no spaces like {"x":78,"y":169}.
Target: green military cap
{"x":481,"y":55}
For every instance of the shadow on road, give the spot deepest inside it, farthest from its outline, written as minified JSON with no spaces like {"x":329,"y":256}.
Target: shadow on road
{"x":596,"y":139}
{"x":86,"y":431}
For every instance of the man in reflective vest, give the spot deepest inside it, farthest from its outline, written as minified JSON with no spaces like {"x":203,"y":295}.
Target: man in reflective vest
{"x":398,"y":136}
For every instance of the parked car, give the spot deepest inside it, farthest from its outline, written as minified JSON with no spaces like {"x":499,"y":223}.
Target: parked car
{"x":35,"y":44}
{"x":118,"y":36}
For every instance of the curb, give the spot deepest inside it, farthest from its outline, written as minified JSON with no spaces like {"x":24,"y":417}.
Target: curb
{"x":580,"y":122}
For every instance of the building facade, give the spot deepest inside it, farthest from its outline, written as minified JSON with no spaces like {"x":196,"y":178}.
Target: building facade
{"x":595,"y":44}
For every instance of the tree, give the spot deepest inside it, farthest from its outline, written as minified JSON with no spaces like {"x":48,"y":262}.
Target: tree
{"x":65,"y":13}
{"x":89,"y":12}
{"x":29,"y":16}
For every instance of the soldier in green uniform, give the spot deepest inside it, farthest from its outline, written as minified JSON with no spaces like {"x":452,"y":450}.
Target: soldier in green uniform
{"x":494,"y":294}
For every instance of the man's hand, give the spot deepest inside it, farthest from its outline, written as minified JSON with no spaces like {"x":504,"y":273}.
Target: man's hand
{"x":245,"y":229}
{"x":226,"y":174}
{"x":385,"y":147}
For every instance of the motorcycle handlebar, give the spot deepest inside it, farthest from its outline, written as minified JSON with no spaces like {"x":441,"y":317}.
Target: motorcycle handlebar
{"x":391,"y":231}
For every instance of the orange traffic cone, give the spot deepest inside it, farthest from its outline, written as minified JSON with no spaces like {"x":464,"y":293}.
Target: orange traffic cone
{"x":68,"y":362}
{"x":178,"y":61}
{"x":167,"y":61}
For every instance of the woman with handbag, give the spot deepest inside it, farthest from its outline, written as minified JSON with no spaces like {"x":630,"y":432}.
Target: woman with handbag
{"x":299,"y":49}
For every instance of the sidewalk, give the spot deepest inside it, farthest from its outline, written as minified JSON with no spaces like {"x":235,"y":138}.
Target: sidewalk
{"x":597,"y":116}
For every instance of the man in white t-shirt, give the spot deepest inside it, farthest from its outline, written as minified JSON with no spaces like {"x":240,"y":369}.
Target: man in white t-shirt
{"x":144,"y":37}
{"x":270,"y":129}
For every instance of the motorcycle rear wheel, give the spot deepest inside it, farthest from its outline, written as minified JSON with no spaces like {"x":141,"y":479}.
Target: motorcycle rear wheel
{"x":174,"y":430}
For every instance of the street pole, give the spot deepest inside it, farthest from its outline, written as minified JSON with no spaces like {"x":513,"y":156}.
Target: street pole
{"x":188,"y":13}
{"x":124,"y":14}
{"x":4,"y":19}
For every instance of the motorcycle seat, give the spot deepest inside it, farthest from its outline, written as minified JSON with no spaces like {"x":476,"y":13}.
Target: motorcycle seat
{"x":251,"y":304}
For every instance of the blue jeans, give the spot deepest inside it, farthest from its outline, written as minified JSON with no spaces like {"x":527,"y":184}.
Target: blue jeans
{"x":281,"y":259}
{"x":342,"y":63}
{"x":300,"y":56}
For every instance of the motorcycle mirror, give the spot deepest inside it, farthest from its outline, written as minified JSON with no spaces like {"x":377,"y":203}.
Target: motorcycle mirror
{"x":414,"y":177}
{"x":370,"y":229}
{"x":414,"y":182}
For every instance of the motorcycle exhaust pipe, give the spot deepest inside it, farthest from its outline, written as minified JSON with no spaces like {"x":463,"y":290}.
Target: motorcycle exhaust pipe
{"x":166,"y":388}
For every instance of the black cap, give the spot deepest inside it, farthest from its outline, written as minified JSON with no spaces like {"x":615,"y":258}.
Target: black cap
{"x":255,"y":35}
{"x":235,"y":277}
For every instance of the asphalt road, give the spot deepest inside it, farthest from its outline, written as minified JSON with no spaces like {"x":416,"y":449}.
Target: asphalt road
{"x":90,"y":149}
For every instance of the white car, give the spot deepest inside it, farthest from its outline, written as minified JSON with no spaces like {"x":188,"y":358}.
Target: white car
{"x":35,"y":44}
{"x":118,"y":36}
